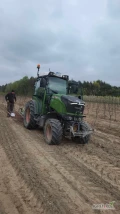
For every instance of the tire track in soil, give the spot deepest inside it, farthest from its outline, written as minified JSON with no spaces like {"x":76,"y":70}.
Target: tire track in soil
{"x":112,"y":138}
{"x":93,"y":163}
{"x":110,"y":147}
{"x":2,"y":209}
{"x":25,"y":170}
{"x":91,"y":172}
{"x":98,"y":150}
{"x":95,"y":147}
{"x":10,"y":187}
{"x":66,"y":169}
{"x":94,"y":175}
{"x":107,"y":127}
{"x":28,"y":171}
{"x":24,"y":196}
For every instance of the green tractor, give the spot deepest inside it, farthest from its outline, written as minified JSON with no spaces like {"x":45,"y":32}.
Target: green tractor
{"x":55,"y":110}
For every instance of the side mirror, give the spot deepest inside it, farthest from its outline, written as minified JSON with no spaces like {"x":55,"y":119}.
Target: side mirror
{"x":79,"y":97}
{"x":74,"y":89}
{"x":43,"y":83}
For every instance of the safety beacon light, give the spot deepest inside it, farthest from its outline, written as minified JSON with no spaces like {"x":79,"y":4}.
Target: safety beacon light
{"x":38,"y":67}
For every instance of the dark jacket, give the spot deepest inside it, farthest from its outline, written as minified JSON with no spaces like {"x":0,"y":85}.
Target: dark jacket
{"x":10,"y":97}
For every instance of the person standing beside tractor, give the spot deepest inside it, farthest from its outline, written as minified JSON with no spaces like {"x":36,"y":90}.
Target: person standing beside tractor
{"x":10,"y":99}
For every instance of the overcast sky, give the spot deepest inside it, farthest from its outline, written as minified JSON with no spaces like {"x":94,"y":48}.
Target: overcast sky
{"x":74,"y":37}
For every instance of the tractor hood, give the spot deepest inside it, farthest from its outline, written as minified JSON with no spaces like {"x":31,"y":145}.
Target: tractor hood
{"x":73,"y":104}
{"x":67,"y":104}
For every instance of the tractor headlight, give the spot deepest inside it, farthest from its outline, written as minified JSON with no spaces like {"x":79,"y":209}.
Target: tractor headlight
{"x":66,"y":117}
{"x":69,"y":118}
{"x":75,"y":119}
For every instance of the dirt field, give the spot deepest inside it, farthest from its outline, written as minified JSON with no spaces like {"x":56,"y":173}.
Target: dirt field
{"x":36,"y":178}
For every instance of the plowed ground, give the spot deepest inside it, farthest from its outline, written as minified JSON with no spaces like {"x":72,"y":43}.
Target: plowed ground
{"x":36,"y":178}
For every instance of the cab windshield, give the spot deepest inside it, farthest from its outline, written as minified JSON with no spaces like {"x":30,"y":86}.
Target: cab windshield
{"x":57,"y":85}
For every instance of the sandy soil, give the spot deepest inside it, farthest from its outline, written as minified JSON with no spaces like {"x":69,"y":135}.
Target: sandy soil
{"x":69,"y":178}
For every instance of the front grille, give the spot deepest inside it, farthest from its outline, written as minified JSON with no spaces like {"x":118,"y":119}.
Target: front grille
{"x":73,"y":108}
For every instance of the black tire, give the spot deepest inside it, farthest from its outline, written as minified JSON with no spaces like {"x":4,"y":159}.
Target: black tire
{"x":85,"y":127}
{"x":29,"y":121}
{"x":53,"y":126}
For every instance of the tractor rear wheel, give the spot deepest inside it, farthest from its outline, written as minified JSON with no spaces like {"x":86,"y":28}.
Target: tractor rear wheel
{"x":53,"y":131}
{"x":29,"y":121}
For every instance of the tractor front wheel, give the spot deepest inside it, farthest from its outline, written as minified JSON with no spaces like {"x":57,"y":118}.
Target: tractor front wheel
{"x":29,"y":121}
{"x":53,"y":131}
{"x":85,"y":127}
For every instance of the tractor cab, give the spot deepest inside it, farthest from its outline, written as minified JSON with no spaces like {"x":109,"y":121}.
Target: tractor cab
{"x":55,"y":83}
{"x":52,"y":83}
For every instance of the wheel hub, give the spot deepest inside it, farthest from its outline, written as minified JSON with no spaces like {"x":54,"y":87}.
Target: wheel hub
{"x":28,"y":115}
{"x":48,"y":132}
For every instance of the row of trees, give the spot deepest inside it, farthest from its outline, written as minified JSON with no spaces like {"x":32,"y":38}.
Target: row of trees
{"x":99,"y":88}
{"x":25,"y":86}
